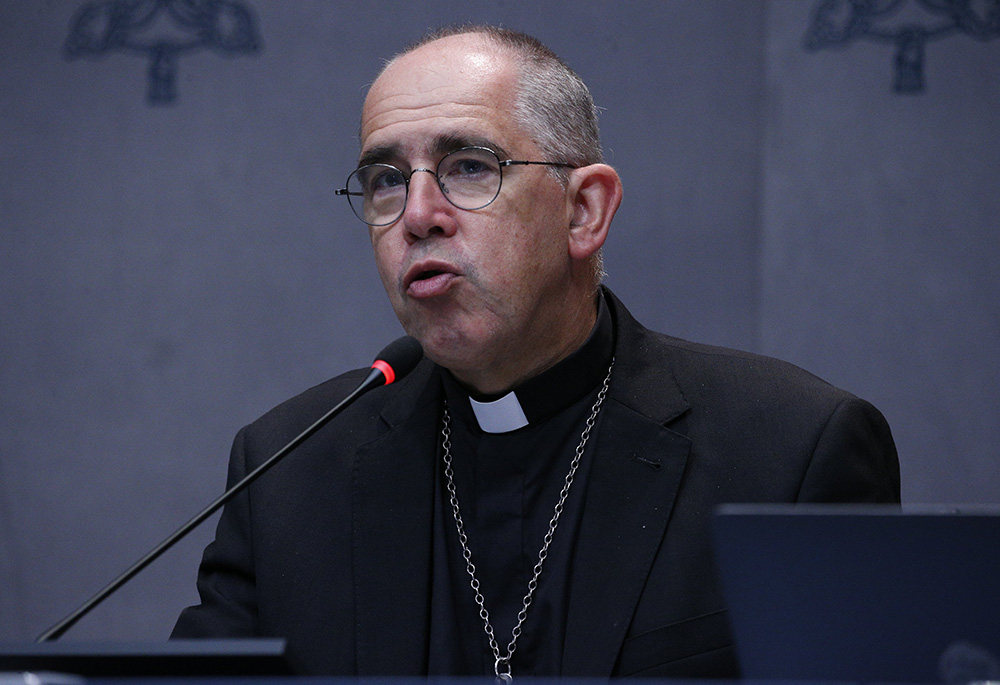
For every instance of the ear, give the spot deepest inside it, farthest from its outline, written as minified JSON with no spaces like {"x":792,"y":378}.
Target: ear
{"x":594,"y":193}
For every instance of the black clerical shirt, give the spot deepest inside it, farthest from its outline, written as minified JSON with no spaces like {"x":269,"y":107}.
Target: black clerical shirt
{"x":508,"y":484}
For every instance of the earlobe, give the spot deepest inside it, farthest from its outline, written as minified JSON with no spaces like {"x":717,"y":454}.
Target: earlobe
{"x":595,"y":192}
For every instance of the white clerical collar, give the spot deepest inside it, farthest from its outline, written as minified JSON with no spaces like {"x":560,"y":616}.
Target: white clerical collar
{"x":545,"y":395}
{"x":499,"y":416}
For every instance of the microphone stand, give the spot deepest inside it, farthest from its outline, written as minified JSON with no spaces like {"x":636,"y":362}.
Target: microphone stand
{"x":375,"y":378}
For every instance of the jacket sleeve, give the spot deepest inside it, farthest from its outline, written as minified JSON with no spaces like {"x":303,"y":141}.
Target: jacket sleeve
{"x":226,"y":579}
{"x":854,"y":459}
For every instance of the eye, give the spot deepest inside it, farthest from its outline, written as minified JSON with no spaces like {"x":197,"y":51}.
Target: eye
{"x":468,"y":165}
{"x":386,"y":179}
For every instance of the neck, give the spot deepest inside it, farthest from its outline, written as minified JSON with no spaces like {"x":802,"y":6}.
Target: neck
{"x":510,"y":368}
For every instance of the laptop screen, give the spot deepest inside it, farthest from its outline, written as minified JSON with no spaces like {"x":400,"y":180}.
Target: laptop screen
{"x":864,"y":593}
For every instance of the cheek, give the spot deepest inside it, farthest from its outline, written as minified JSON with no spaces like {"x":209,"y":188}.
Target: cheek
{"x":386,"y":260}
{"x":522,"y":266}
{"x":532,"y":239}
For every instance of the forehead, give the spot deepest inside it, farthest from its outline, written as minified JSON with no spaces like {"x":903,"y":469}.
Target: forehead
{"x":458,"y":87}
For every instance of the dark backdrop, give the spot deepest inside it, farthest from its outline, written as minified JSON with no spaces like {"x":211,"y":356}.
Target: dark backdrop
{"x":169,"y":272}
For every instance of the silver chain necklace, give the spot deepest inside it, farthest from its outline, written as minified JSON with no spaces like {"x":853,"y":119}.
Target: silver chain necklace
{"x":502,"y":664}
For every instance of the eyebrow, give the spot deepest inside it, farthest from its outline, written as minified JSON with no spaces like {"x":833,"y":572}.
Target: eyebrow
{"x":449,"y":142}
{"x":382,"y":154}
{"x":442,"y":145}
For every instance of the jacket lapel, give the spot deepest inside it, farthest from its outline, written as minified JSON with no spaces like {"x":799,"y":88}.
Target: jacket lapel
{"x":393,"y":511}
{"x":636,"y":473}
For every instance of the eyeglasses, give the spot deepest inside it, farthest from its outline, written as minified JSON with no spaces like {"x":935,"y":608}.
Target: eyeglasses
{"x":470,"y":178}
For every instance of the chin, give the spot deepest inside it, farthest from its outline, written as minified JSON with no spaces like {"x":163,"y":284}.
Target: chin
{"x":450,"y":348}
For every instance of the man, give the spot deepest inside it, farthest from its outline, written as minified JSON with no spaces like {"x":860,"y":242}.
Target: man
{"x":534,"y":498}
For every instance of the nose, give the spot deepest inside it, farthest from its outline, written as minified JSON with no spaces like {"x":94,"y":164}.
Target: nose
{"x":427,"y":211}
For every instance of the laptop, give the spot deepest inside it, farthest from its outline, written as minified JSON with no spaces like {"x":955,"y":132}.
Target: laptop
{"x":169,"y":658}
{"x":862,"y":593}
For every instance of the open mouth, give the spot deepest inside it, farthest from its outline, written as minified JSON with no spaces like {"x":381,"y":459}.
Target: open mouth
{"x":429,"y":282}
{"x":429,"y":273}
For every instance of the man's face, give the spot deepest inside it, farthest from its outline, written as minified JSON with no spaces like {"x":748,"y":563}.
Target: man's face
{"x":480,"y":289}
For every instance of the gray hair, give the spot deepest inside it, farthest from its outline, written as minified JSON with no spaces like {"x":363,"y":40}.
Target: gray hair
{"x":553,"y":103}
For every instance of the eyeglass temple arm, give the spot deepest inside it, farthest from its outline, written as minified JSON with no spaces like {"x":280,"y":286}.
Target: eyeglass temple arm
{"x":512,"y":162}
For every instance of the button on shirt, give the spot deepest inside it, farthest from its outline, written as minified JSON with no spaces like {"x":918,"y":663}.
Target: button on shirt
{"x":507,"y":484}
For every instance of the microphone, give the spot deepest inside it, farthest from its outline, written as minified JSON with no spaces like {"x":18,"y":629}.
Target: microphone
{"x":396,"y":360}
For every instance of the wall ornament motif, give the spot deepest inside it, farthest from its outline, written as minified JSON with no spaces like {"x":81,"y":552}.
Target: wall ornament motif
{"x":908,"y":24}
{"x":162,"y":31}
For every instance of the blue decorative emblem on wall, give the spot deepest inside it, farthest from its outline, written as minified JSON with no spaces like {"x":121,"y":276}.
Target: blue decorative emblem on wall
{"x":162,"y":30}
{"x":909,"y":24}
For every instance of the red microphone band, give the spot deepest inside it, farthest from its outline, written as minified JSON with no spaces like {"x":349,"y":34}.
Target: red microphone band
{"x":386,"y":370}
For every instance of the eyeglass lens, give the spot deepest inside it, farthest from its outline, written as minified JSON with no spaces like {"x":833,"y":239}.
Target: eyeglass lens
{"x":469,"y":178}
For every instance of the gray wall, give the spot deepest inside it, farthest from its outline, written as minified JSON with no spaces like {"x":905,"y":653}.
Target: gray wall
{"x":169,"y":273}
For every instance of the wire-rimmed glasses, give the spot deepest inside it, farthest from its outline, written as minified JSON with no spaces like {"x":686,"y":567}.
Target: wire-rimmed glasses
{"x":470,"y":178}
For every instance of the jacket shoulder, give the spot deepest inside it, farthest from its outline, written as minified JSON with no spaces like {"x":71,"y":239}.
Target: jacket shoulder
{"x":704,"y":365}
{"x":699,"y":369}
{"x":282,"y":423}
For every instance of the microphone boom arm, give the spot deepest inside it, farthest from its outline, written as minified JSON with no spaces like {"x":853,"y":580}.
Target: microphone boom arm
{"x":375,"y":378}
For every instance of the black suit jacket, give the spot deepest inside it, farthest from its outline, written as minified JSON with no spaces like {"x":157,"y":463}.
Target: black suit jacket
{"x":332,"y":548}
